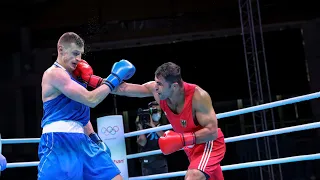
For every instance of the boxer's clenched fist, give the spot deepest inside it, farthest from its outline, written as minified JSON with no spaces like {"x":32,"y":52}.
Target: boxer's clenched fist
{"x":171,"y":141}
{"x":85,"y":73}
{"x":122,"y":70}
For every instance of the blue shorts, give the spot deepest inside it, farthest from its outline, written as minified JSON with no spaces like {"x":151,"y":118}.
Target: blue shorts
{"x":73,"y":156}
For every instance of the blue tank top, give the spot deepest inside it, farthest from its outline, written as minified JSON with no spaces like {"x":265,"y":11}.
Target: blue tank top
{"x":64,"y":108}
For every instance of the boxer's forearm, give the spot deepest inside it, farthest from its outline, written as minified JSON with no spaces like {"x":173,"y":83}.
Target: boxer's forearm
{"x":206,"y":134}
{"x":88,"y":129}
{"x":98,"y":95}
{"x":133,"y":90}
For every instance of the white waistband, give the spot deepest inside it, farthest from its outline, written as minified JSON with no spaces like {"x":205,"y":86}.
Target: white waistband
{"x":63,"y":126}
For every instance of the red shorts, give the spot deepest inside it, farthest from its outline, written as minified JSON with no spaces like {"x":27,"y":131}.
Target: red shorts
{"x":207,"y":157}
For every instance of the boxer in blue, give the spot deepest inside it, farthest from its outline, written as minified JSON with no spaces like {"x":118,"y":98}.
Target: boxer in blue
{"x":69,"y":148}
{"x":3,"y":162}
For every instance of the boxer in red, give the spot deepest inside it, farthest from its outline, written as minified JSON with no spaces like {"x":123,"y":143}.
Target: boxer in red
{"x":189,"y":109}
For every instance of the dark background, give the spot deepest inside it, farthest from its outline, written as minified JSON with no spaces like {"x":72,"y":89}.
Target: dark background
{"x":204,"y":38}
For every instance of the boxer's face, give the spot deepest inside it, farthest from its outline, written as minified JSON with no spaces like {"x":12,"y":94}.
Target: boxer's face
{"x":71,"y":55}
{"x":163,"y":88}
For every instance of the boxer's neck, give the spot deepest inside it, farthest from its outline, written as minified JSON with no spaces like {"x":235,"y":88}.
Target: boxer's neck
{"x":177,"y":98}
{"x":59,"y":60}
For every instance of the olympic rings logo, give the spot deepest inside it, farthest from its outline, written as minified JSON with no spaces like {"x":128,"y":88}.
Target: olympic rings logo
{"x":110,"y":130}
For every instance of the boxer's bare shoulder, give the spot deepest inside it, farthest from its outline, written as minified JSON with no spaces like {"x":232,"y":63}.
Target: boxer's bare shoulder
{"x":48,"y":90}
{"x":200,"y":96}
{"x":202,"y":104}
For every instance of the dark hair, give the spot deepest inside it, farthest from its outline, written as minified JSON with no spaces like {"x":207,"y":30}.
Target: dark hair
{"x":71,"y":37}
{"x":170,"y":72}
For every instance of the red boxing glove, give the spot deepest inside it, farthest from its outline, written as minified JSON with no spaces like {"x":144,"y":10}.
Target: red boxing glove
{"x":85,"y":72}
{"x":171,"y":141}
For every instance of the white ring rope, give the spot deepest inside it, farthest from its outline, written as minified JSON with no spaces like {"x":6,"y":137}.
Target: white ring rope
{"x":245,"y":137}
{"x":219,"y":116}
{"x":227,"y":140}
{"x":237,"y":166}
{"x":238,"y":112}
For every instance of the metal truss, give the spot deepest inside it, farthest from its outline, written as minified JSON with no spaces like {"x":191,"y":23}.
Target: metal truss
{"x":259,"y":89}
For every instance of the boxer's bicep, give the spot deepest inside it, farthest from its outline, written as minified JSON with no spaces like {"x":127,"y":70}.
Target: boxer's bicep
{"x":62,"y":81}
{"x":205,"y":113}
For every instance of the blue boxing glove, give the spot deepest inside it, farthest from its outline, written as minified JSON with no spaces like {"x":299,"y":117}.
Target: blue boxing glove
{"x":95,"y":138}
{"x":3,"y":162}
{"x":122,"y":70}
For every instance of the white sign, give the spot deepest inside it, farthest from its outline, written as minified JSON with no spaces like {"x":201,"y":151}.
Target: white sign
{"x":111,"y":131}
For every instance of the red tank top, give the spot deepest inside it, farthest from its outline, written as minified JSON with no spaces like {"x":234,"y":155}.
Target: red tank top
{"x":184,"y":121}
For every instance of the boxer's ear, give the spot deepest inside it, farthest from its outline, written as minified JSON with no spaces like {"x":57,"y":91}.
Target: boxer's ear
{"x":175,"y":85}
{"x":60,"y":49}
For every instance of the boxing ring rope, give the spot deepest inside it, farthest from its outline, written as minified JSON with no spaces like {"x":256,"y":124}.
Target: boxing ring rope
{"x":238,"y":166}
{"x":227,"y":140}
{"x":245,"y":137}
{"x":219,"y":116}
